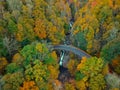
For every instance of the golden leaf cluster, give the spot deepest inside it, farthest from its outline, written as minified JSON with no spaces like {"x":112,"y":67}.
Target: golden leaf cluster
{"x":82,"y":63}
{"x":3,"y":63}
{"x":29,"y":85}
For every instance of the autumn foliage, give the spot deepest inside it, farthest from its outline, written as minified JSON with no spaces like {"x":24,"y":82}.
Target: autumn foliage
{"x":29,"y":29}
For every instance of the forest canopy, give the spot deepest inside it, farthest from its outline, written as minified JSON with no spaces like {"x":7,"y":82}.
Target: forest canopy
{"x":29,"y":29}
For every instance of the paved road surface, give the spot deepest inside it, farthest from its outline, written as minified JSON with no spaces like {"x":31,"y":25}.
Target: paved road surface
{"x":73,"y":49}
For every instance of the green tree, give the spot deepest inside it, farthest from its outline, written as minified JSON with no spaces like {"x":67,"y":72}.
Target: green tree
{"x":111,"y":50}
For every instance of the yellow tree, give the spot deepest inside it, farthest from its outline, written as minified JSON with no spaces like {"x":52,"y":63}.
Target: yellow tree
{"x":3,"y":64}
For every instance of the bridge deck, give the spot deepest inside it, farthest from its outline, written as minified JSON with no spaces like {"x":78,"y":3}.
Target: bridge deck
{"x":73,"y":49}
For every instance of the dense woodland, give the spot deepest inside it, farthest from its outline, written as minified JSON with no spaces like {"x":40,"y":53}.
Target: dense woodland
{"x":29,"y":29}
